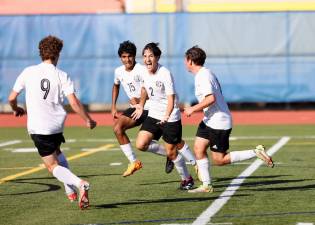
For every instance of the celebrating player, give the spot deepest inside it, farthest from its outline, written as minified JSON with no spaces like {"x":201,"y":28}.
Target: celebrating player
{"x":216,"y":126}
{"x":45,"y":87}
{"x":164,"y":114}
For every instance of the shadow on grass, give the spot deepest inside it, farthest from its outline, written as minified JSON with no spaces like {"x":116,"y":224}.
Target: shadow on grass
{"x":263,"y":181}
{"x":164,"y":200}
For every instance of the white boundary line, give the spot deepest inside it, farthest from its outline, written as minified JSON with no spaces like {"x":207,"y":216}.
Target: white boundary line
{"x":205,"y":217}
{"x":10,"y":143}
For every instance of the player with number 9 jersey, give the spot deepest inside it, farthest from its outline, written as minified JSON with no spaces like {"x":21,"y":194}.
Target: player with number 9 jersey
{"x":45,"y":87}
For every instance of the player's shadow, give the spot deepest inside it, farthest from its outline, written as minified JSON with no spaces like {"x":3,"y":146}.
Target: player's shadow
{"x":164,"y":200}
{"x":46,"y":187}
{"x":261,"y":183}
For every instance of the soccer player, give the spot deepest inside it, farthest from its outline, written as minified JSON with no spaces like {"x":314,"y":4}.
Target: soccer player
{"x":164,"y":114}
{"x":45,"y":87}
{"x":129,"y":76}
{"x":216,"y":126}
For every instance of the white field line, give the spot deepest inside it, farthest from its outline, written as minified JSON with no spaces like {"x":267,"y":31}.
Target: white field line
{"x":205,"y":217}
{"x":190,"y":138}
{"x":305,"y":224}
{"x":10,"y":143}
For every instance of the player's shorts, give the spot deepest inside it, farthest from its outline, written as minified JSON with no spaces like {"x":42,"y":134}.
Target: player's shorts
{"x":171,"y":132}
{"x":128,"y":112}
{"x":47,"y":144}
{"x":219,"y":139}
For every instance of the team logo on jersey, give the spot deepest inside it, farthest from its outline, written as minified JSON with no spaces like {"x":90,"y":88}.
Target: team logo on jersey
{"x":137,"y":78}
{"x":159,"y":84}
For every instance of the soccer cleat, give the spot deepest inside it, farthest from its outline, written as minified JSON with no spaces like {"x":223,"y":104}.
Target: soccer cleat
{"x":202,"y":189}
{"x":169,"y":165}
{"x":187,"y":184}
{"x":261,"y":154}
{"x":84,"y":197}
{"x":132,"y":167}
{"x":72,"y":197}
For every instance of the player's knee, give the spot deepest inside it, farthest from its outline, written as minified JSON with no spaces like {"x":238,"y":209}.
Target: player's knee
{"x":142,"y":146}
{"x":118,"y":130}
{"x":218,"y":162}
{"x":51,"y":167}
{"x":172,"y":155}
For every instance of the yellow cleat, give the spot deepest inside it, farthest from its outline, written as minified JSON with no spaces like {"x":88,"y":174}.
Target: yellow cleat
{"x":132,"y":167}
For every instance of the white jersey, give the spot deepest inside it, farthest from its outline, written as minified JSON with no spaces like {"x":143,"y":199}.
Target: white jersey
{"x":45,"y":87}
{"x":130,"y":80}
{"x":158,"y":87}
{"x":217,"y":115}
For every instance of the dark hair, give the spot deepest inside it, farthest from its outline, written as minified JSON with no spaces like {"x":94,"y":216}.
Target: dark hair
{"x":153,"y":47}
{"x":196,"y":55}
{"x":127,"y":47}
{"x":50,"y":48}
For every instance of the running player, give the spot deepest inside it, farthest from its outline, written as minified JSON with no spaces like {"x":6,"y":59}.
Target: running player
{"x":45,"y":87}
{"x":216,"y":126}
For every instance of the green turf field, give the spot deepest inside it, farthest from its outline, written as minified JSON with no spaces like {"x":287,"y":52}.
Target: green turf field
{"x":283,"y":195}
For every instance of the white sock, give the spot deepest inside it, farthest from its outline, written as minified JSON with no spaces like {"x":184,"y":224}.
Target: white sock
{"x":129,"y":153}
{"x":156,"y":148}
{"x":62,"y":161}
{"x":237,"y":156}
{"x":64,"y":175}
{"x":186,"y":152}
{"x":180,"y":166}
{"x":203,"y":170}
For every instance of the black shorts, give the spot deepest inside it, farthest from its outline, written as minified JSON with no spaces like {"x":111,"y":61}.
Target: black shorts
{"x":128,"y":112}
{"x":47,"y":144}
{"x":219,"y":139}
{"x":171,"y":131}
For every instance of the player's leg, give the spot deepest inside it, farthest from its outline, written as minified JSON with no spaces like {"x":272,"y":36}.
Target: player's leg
{"x":65,"y":176}
{"x":70,"y":190}
{"x":172,"y":135}
{"x":47,"y":146}
{"x":220,"y":144}
{"x":184,"y":150}
{"x":200,"y":149}
{"x":124,"y":123}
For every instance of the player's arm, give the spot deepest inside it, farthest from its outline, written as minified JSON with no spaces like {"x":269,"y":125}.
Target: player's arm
{"x":115,"y":93}
{"x":18,"y":111}
{"x":79,"y":109}
{"x":169,"y":108}
{"x":206,"y":102}
{"x":139,"y":107}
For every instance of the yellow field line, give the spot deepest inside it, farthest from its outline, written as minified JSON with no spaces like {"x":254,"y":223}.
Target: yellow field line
{"x":41,"y":167}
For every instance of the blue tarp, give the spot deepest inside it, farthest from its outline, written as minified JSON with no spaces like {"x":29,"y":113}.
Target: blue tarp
{"x":258,"y":57}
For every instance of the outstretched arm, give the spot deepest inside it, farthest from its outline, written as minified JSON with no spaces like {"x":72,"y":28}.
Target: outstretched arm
{"x":78,"y":108}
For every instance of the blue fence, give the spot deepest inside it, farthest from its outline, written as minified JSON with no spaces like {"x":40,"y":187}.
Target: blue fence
{"x":265,"y":57}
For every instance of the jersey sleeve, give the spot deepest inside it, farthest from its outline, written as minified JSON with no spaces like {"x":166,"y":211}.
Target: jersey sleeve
{"x":67,"y":85}
{"x":169,"y":84}
{"x":205,"y":85}
{"x":116,"y":77}
{"x":19,"y":83}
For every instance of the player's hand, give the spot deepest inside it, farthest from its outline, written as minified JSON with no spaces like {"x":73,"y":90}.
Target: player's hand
{"x":114,"y":114}
{"x":19,"y":112}
{"x":91,"y":124}
{"x":163,"y":121}
{"x":137,"y":113}
{"x":188,"y":111}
